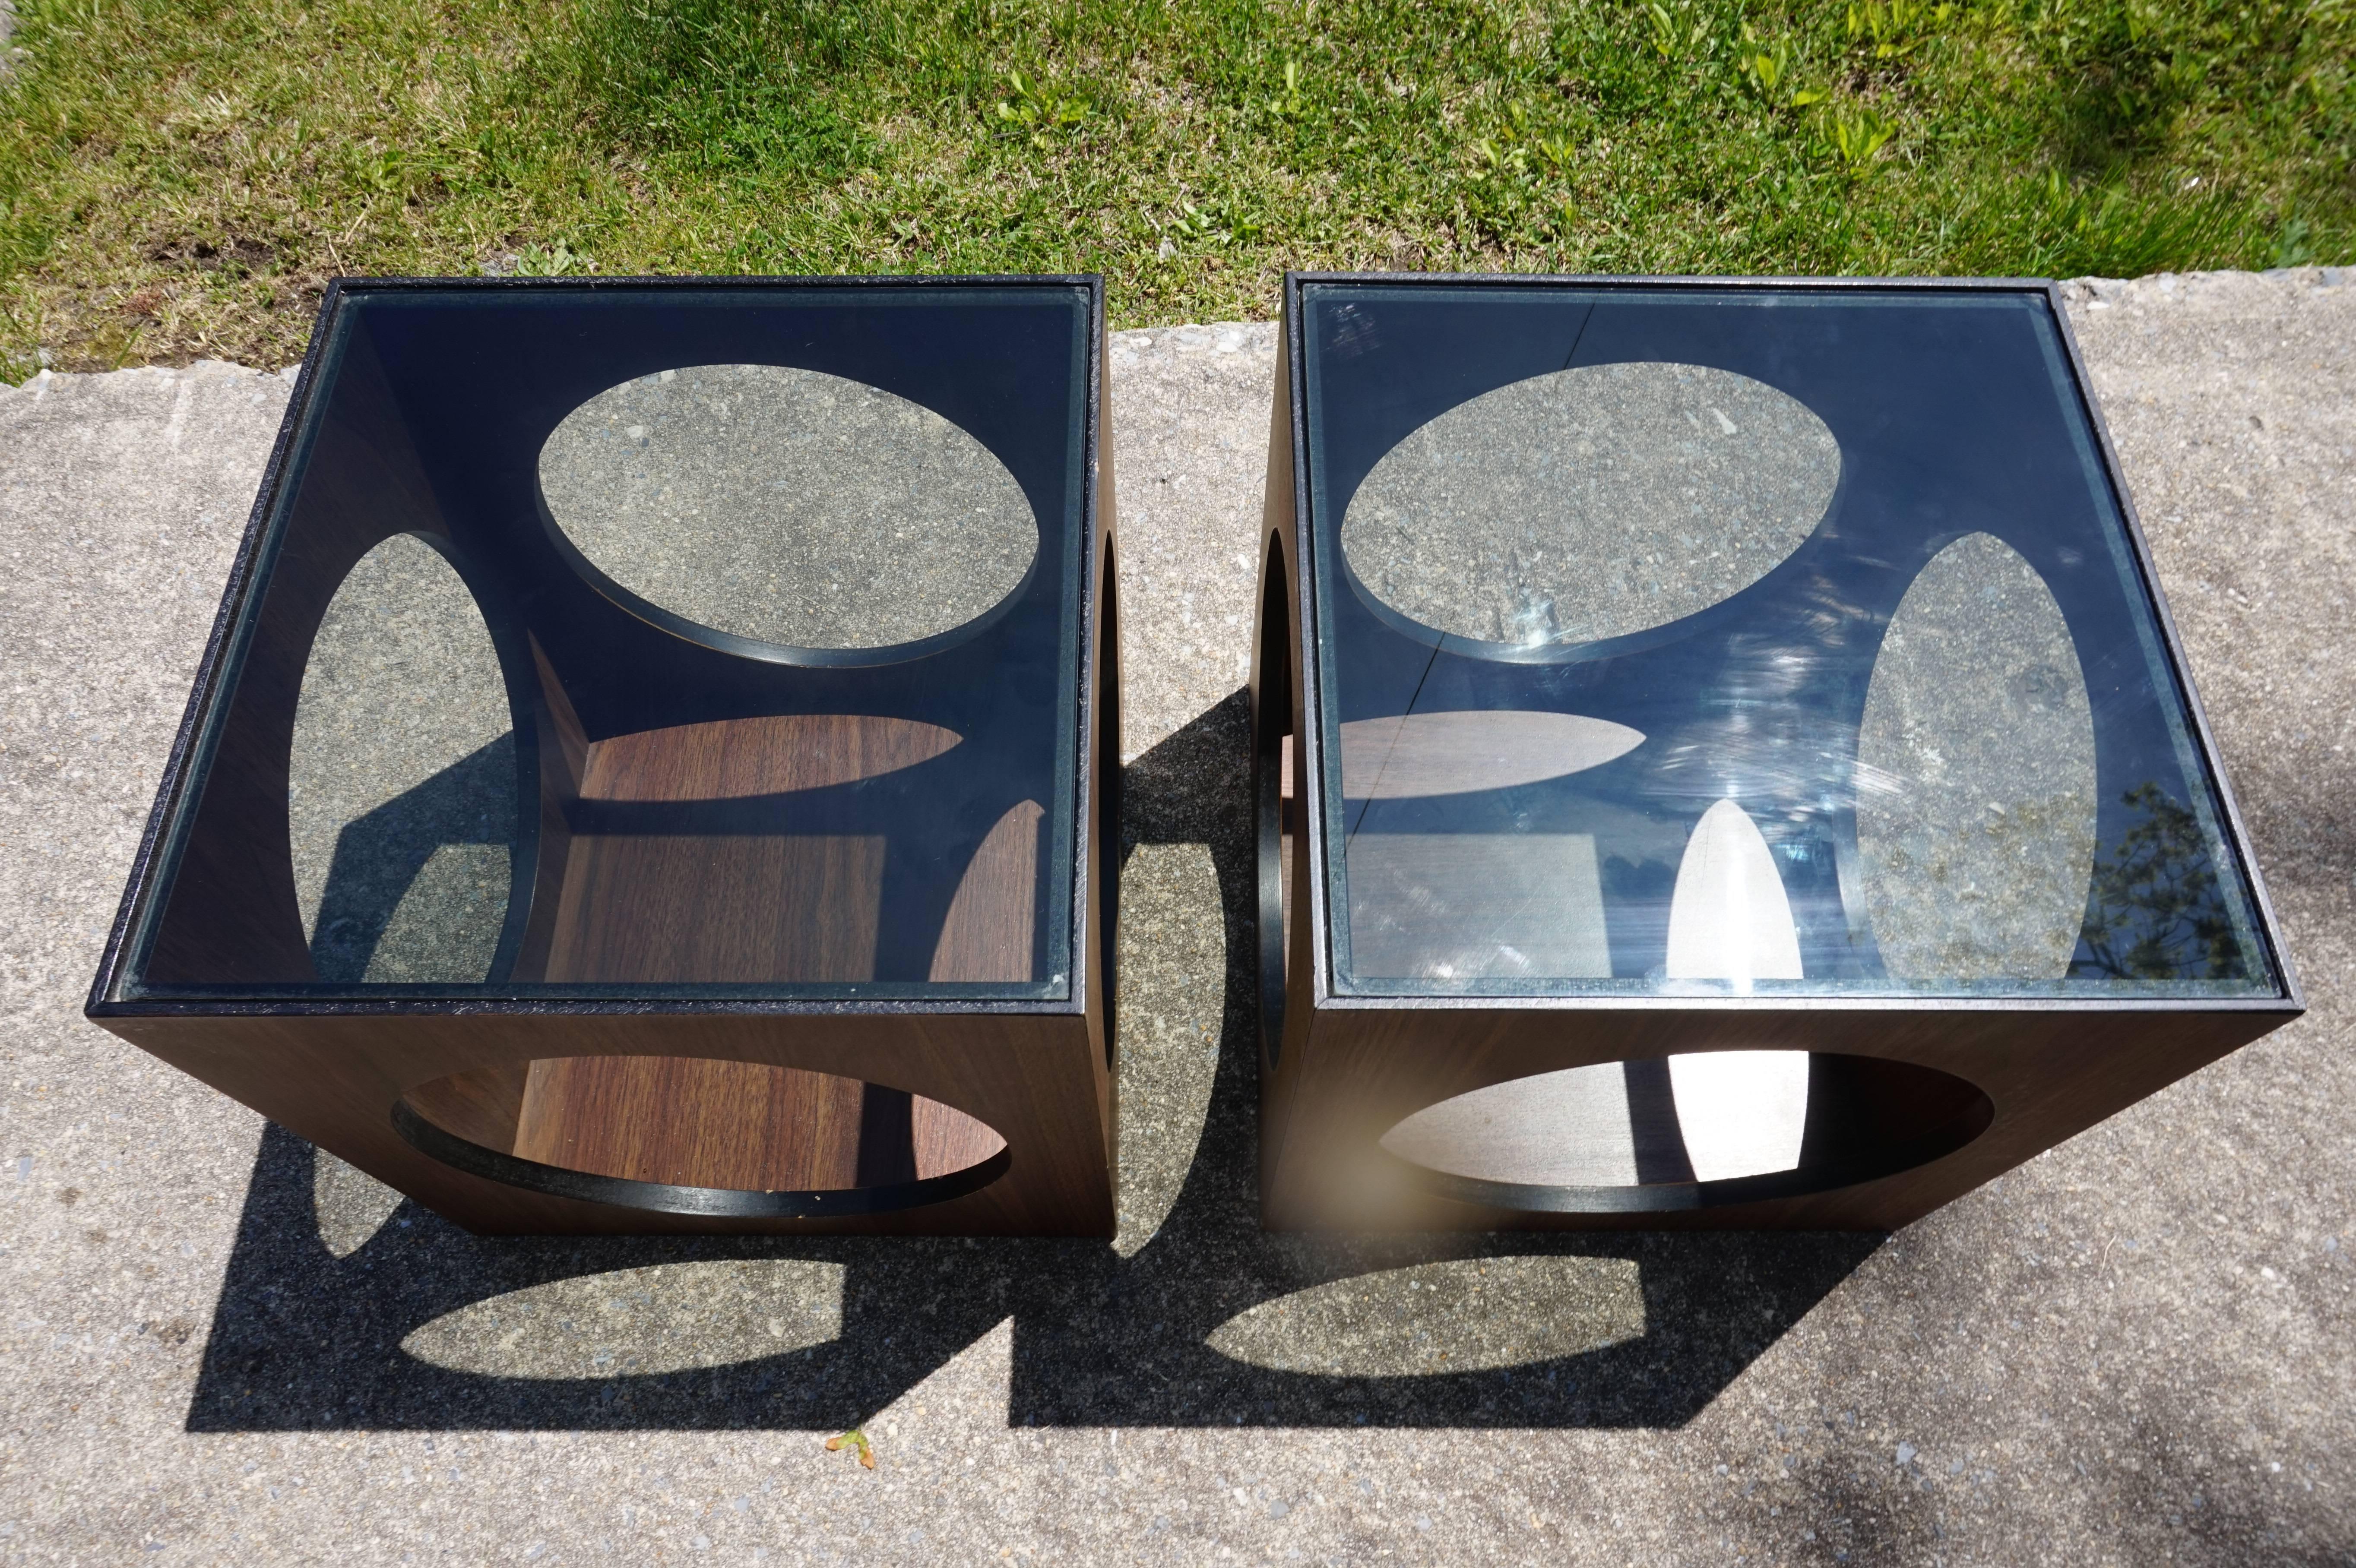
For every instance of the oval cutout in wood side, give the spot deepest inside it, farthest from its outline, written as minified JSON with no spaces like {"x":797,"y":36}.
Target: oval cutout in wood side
{"x":789,"y":508}
{"x":1687,"y":1131}
{"x":400,"y":789}
{"x":1465,"y":751}
{"x":693,"y":1125}
{"x":1589,"y":503}
{"x":1975,"y":775}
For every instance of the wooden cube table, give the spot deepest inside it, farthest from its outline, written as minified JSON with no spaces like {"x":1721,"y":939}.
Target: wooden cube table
{"x":654,"y":767}
{"x":1723,"y":759}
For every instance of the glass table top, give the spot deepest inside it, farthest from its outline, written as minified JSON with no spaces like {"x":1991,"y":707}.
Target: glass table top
{"x":1743,"y":640}
{"x":648,"y":641}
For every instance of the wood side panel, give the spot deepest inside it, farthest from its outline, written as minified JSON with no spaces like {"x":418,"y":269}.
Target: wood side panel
{"x":697,"y":1123}
{"x":483,"y":1106}
{"x":948,"y":1140}
{"x":562,"y":751}
{"x":991,"y":919}
{"x":572,"y":755}
{"x":693,"y":1122}
{"x":1037,"y":1079}
{"x":780,"y":907}
{"x":2049,"y":1074}
{"x":718,"y":908}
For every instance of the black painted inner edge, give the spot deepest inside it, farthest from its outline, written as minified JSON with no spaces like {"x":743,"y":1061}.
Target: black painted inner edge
{"x":666,"y":1198}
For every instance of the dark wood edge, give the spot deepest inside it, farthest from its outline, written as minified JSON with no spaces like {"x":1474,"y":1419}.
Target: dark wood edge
{"x":209,"y":687}
{"x":2278,"y":1007}
{"x":723,"y":282}
{"x":2290,"y":1004}
{"x":1292,"y":281}
{"x":664,"y":1198}
{"x":1095,"y":526}
{"x":1307,"y":716}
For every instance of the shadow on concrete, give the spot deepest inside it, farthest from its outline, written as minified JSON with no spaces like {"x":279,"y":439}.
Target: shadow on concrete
{"x":303,"y":1339}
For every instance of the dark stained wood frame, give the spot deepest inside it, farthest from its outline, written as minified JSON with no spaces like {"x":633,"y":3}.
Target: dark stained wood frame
{"x":344,"y":1073}
{"x":1337,"y":1071}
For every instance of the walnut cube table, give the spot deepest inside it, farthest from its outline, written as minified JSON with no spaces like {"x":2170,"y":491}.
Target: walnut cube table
{"x":653,"y":768}
{"x":1723,"y":759}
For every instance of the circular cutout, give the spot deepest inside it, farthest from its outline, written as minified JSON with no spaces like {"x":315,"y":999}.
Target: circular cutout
{"x":1587,"y":504}
{"x":686,"y":1135}
{"x":1976,"y":777}
{"x":789,"y":511}
{"x":1687,"y":1132}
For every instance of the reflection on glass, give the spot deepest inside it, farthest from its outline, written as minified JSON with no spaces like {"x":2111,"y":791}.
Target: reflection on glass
{"x":1457,"y":905}
{"x":2158,"y":908}
{"x":1589,"y":503}
{"x":1468,"y":1315}
{"x":1728,"y":919}
{"x":1462,"y":905}
{"x":1976,"y":816}
{"x":401,"y":788}
{"x":1464,"y":753}
{"x":682,"y":862}
{"x":788,"y":505}
{"x":1759,"y":640}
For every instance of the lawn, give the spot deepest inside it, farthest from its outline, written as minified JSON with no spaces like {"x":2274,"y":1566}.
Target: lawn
{"x":178,"y":176}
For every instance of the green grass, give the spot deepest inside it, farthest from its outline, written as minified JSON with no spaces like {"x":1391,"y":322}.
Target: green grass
{"x":178,"y":177}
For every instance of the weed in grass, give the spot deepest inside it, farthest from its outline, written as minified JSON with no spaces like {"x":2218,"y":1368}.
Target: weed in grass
{"x":178,"y":177}
{"x":1854,"y":137}
{"x":557,"y":260}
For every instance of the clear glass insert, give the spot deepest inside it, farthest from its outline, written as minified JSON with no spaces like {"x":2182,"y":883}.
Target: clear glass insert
{"x":1743,"y":641}
{"x":653,"y":641}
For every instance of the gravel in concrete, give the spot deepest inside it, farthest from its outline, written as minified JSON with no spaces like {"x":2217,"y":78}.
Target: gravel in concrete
{"x":2136,"y":1349}
{"x":1189,"y":412}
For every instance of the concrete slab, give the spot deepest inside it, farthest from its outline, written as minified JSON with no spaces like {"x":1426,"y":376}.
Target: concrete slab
{"x":2140,"y":1347}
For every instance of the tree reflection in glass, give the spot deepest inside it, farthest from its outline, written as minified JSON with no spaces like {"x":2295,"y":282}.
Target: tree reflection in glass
{"x":2157,"y":913}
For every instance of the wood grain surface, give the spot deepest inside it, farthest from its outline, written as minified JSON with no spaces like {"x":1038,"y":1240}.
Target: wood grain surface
{"x":718,"y":907}
{"x":987,"y":933}
{"x":744,"y":1126}
{"x":730,"y":759}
